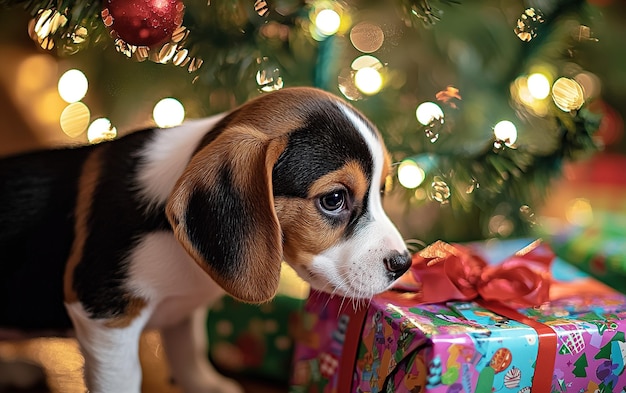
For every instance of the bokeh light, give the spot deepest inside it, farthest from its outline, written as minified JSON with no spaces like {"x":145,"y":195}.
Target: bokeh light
{"x":268,"y":75}
{"x":101,"y":130}
{"x":47,"y":106}
{"x":410,"y":175}
{"x":73,"y":86}
{"x":366,"y":61}
{"x":35,"y":73}
{"x":368,"y":80}
{"x":47,"y":22}
{"x":538,"y":86}
{"x":590,"y":83}
{"x":75,"y":119}
{"x":567,"y":94}
{"x":579,"y":212}
{"x":505,"y":131}
{"x":327,"y":22}
{"x":428,"y":111}
{"x":367,"y":37}
{"x":168,"y":112}
{"x":366,"y":75}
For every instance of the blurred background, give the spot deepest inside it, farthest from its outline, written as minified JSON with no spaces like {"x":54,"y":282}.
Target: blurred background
{"x":483,"y":104}
{"x":505,"y":118}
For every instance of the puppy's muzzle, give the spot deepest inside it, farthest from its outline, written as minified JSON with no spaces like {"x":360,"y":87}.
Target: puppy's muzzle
{"x":397,"y":263}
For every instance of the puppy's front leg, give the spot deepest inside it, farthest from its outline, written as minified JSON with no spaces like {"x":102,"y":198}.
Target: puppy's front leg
{"x":111,"y":353}
{"x":186,"y":347}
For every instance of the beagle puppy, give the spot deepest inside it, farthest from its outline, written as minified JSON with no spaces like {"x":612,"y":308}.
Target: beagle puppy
{"x":146,"y":231}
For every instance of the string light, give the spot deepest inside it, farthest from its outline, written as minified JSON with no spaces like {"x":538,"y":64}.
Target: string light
{"x":368,"y":80}
{"x":367,"y":77}
{"x":428,"y":111}
{"x":505,"y":131}
{"x":538,"y":86}
{"x":73,"y":86}
{"x":101,"y":130}
{"x":410,"y":175}
{"x":168,"y":112}
{"x":327,"y":22}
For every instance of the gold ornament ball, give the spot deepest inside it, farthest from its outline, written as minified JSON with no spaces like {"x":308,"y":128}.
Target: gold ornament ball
{"x":567,"y":94}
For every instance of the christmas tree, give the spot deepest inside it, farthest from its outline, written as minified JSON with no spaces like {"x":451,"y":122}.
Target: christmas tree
{"x":480,"y":102}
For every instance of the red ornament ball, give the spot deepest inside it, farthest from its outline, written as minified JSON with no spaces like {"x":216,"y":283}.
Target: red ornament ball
{"x":142,"y":22}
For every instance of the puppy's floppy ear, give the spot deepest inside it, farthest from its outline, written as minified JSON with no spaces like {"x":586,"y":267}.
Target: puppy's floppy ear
{"x":222,"y":212}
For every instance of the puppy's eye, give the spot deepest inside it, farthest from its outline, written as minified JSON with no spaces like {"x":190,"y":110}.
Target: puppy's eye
{"x":333,"y":201}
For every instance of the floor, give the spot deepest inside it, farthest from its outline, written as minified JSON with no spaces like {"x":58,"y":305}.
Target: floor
{"x":62,"y":364}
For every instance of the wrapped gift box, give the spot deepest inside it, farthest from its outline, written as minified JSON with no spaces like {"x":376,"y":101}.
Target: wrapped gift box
{"x":584,"y":218}
{"x":398,"y":343}
{"x":597,"y":248}
{"x":256,"y":341}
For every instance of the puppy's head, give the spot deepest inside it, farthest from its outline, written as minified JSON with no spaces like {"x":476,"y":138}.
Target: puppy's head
{"x":296,"y":174}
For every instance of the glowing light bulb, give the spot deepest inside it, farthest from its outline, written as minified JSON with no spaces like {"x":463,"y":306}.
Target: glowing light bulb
{"x":428,"y":111}
{"x":100,"y":130}
{"x":410,"y":175}
{"x":73,"y":86}
{"x":505,"y":131}
{"x":327,"y":22}
{"x":368,"y":80}
{"x":538,"y":86}
{"x":168,"y":112}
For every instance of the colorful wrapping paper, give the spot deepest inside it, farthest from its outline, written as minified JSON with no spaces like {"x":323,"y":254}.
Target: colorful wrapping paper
{"x":574,"y":343}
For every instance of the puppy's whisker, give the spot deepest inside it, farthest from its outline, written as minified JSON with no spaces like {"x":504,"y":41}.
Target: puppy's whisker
{"x":343,"y":299}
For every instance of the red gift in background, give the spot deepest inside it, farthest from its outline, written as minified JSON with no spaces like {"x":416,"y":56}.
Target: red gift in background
{"x":469,"y":326}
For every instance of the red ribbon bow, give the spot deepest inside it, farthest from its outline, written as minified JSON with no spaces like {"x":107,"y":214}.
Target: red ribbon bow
{"x":444,"y":272}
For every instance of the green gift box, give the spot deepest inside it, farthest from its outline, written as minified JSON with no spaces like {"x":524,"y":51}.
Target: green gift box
{"x":256,"y":341}
{"x":597,"y":248}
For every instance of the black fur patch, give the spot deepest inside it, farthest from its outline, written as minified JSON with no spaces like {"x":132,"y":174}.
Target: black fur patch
{"x":38,"y":195}
{"x":213,"y":220}
{"x":117,"y":220}
{"x":37,"y":198}
{"x":326,"y":142}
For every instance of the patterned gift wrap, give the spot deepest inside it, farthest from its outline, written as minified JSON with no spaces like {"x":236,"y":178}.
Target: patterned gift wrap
{"x":572,"y":344}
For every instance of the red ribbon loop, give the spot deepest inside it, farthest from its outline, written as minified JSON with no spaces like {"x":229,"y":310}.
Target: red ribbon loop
{"x":444,"y":272}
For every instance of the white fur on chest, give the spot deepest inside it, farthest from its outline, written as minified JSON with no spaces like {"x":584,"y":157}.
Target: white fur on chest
{"x":164,"y":274}
{"x":161,"y":271}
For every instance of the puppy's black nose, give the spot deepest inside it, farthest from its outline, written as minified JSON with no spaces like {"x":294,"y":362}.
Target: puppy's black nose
{"x":397,"y":263}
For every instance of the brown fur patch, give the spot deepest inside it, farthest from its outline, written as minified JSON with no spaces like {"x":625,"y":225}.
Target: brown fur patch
{"x":305,"y":232}
{"x":86,"y":187}
{"x":133,"y":309}
{"x":282,"y":111}
{"x":250,"y":155}
{"x":253,"y":138}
